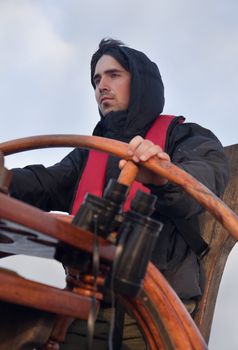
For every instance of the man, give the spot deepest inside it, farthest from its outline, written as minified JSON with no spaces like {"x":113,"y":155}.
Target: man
{"x":130,"y":96}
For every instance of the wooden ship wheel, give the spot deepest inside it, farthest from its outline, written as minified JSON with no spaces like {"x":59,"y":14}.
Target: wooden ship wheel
{"x":160,"y":315}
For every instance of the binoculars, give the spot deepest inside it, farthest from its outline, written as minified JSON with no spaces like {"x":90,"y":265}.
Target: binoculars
{"x":136,"y":233}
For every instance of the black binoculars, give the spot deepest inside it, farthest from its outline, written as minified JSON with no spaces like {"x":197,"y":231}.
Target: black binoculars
{"x":136,"y":233}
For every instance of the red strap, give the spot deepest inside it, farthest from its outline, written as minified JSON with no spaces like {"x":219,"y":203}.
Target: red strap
{"x":158,"y":131}
{"x":93,"y":177}
{"x":157,"y":134}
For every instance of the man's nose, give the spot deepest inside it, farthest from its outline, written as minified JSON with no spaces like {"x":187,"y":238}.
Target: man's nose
{"x":103,"y":84}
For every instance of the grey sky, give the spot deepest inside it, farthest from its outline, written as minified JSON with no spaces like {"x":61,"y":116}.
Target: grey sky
{"x":45,"y":87}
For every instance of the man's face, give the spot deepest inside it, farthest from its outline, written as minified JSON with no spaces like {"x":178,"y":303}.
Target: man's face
{"x":112,"y":85}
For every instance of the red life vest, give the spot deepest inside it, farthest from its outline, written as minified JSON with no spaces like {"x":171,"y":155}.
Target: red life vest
{"x":94,"y":174}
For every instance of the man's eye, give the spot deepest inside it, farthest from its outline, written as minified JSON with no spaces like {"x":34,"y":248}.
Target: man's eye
{"x":96,"y":81}
{"x":114,"y":75}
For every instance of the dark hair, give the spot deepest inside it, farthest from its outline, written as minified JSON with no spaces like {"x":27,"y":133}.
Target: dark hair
{"x":106,"y":43}
{"x":111,"y":47}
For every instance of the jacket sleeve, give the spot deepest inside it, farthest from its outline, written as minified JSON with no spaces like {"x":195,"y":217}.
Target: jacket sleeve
{"x":197,"y":151}
{"x":50,"y":188}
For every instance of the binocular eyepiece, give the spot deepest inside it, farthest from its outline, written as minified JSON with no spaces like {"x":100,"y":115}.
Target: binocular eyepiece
{"x":107,"y":209}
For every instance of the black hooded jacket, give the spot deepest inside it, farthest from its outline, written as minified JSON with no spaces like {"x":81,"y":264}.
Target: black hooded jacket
{"x":191,"y":147}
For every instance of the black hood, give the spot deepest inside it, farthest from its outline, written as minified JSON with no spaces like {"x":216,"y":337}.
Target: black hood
{"x":146,"y":99}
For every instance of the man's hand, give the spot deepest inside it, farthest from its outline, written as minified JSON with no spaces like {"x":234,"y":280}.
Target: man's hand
{"x":141,"y":150}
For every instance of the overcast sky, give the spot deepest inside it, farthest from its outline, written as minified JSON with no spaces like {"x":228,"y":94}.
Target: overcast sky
{"x":45,"y":88}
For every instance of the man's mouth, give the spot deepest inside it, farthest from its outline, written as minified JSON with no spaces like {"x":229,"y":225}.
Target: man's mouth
{"x":105,"y":98}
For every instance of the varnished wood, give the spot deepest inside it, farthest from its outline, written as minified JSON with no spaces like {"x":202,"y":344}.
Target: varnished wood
{"x":5,"y":176}
{"x":162,"y":167}
{"x":128,"y":174}
{"x":18,"y":290}
{"x":160,"y":314}
{"x":58,"y":333}
{"x":16,"y":211}
{"x":220,"y":243}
